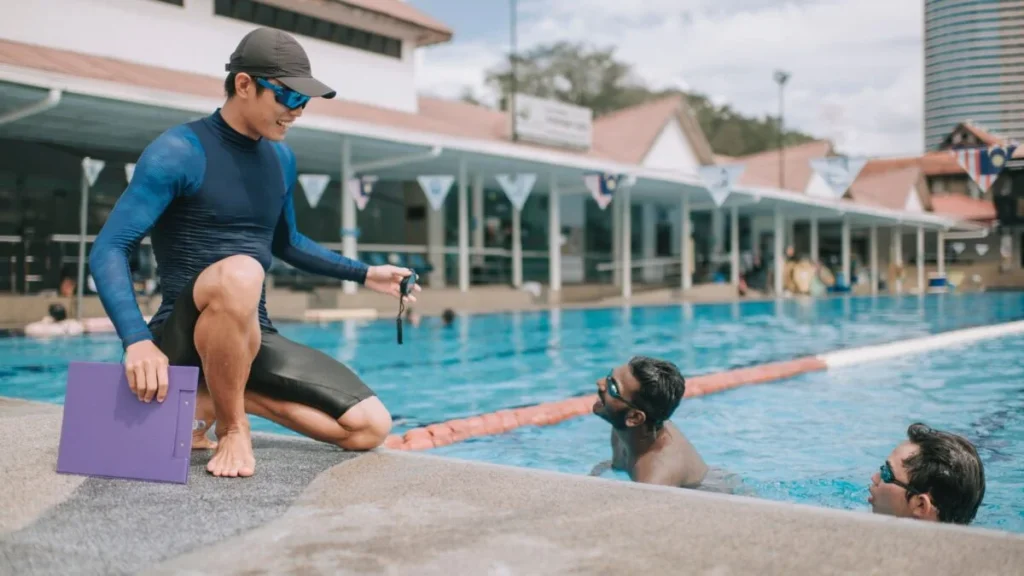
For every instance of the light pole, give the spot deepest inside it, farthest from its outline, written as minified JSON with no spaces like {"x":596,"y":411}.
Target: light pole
{"x":514,"y":81}
{"x":780,"y":78}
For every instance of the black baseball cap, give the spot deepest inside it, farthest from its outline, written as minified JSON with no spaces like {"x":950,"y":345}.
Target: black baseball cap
{"x":272,"y":53}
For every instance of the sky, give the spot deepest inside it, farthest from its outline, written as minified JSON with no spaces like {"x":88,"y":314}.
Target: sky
{"x":855,"y":66}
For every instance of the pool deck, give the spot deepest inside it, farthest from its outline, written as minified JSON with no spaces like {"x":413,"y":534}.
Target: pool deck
{"x":313,"y":509}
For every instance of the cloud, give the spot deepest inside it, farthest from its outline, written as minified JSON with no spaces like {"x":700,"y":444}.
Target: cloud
{"x":855,"y":64}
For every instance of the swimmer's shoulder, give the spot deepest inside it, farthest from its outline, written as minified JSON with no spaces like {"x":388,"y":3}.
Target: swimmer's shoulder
{"x":286,"y":157}
{"x":177,"y":154}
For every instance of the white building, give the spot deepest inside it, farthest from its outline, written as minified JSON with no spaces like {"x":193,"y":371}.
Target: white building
{"x":101,"y":78}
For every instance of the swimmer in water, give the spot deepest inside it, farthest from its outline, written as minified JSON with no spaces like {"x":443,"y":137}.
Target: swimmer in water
{"x":217,"y":194}
{"x":637,"y":399}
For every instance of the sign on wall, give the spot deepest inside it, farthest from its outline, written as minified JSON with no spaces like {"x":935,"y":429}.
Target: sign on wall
{"x":436,"y":188}
{"x":552,"y":122}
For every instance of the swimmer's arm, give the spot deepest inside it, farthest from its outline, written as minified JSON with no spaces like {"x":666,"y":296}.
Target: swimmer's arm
{"x":298,"y":249}
{"x":171,"y":165}
{"x":601,"y":468}
{"x":649,"y":470}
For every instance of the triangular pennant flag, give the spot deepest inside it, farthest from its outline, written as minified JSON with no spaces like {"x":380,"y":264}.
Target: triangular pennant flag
{"x":959,"y":247}
{"x":313,"y":185}
{"x":981,"y":249}
{"x":984,"y":164}
{"x":436,"y":188}
{"x":129,"y":171}
{"x":839,"y":172}
{"x":602,"y":187}
{"x":360,"y":188}
{"x":517,"y":187}
{"x":92,"y":169}
{"x":720,"y":180}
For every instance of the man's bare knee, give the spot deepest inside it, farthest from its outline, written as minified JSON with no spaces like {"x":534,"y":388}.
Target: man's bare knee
{"x":232,"y":285}
{"x":367,"y":425}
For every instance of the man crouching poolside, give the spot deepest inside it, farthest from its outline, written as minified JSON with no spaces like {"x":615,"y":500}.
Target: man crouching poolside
{"x":637,"y":399}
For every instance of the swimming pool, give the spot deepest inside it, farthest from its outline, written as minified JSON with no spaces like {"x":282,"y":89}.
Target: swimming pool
{"x":490,"y":362}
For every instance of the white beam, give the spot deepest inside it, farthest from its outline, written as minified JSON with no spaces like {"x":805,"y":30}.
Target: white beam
{"x":517,"y":248}
{"x":685,"y":262}
{"x":627,"y":242}
{"x":554,"y":237}
{"x":478,"y":218}
{"x":780,"y":263}
{"x":734,"y":246}
{"x":873,"y":249}
{"x":815,"y":240}
{"x":940,"y":254}
{"x":845,"y":252}
{"x":920,"y":261}
{"x":349,"y":246}
{"x":463,"y":226}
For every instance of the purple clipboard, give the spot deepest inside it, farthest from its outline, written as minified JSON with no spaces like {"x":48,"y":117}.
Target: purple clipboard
{"x":107,"y":431}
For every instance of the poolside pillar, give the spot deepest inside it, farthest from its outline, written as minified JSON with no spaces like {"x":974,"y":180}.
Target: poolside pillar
{"x":517,"y":248}
{"x":940,"y":252}
{"x":685,"y":257}
{"x":627,"y":241}
{"x":554,"y":237}
{"x":349,"y":248}
{"x":873,"y":249}
{"x":920,"y":261}
{"x":780,"y":263}
{"x":463,"y":227}
{"x":815,"y":240}
{"x":734,"y":246}
{"x":478,"y":219}
{"x":897,"y":258}
{"x":845,"y":251}
{"x":616,"y":214}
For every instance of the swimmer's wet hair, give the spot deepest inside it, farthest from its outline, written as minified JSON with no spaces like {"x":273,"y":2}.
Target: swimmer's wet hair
{"x":661,"y":387}
{"x":947,"y":468}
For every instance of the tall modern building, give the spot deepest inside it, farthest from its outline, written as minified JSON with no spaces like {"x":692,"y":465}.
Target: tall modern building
{"x":973,"y":67}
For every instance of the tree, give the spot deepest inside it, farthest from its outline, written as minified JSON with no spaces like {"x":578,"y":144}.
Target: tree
{"x":593,"y":78}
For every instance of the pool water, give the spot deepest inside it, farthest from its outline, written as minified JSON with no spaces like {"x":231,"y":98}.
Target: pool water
{"x":808,"y":440}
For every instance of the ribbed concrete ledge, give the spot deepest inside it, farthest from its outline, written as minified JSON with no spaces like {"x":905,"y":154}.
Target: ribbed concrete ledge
{"x":309,"y":510}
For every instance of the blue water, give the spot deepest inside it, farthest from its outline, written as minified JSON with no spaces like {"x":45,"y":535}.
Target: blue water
{"x":814,"y":439}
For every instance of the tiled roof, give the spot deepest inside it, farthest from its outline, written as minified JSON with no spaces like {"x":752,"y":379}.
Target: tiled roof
{"x":627,"y":135}
{"x":762,"y":169}
{"x":401,"y":11}
{"x":887,"y":187}
{"x":963,"y":207}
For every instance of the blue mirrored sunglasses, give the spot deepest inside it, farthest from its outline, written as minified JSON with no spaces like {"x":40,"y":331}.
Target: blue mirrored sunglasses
{"x":286,"y":97}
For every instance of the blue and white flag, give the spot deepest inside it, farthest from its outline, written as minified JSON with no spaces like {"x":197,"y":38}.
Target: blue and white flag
{"x":517,"y":187}
{"x":720,"y":180}
{"x":839,"y":172}
{"x":360,"y":188}
{"x":313,"y":185}
{"x":602,"y":187}
{"x":436,"y":188}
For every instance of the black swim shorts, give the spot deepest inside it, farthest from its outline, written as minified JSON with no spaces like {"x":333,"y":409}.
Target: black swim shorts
{"x":282,"y":370}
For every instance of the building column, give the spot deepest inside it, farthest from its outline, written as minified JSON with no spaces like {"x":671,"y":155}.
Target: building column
{"x":463,"y":227}
{"x":478,"y":219}
{"x":734,"y":246}
{"x":940,"y":254}
{"x":873,"y":254}
{"x":649,"y":240}
{"x":897,"y":257}
{"x":554,"y":237}
{"x":517,"y":248}
{"x":616,"y":239}
{"x":349,"y":247}
{"x":780,"y":263}
{"x":921,"y":289}
{"x":685,"y":257}
{"x":436,"y":246}
{"x":717,"y":233}
{"x":845,"y":252}
{"x":815,"y":240}
{"x":627,"y":242}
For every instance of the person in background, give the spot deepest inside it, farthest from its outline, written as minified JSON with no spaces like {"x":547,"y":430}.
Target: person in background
{"x":412,"y":317}
{"x":55,"y":323}
{"x":448,"y":317}
{"x":637,"y":399}
{"x":933,"y":475}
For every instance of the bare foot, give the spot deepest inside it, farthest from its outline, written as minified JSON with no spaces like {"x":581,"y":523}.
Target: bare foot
{"x":234,"y":455}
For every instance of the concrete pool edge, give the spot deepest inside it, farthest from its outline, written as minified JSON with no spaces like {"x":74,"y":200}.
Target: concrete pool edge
{"x":413,"y":513}
{"x":549,"y":413}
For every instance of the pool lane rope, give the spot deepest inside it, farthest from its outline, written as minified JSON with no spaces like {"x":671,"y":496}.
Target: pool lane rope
{"x":548,"y":413}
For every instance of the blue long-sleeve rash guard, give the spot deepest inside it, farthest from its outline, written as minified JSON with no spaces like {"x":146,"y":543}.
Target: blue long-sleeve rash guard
{"x":206,"y":192}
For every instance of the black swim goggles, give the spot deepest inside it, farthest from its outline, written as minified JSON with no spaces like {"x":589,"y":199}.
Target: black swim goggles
{"x":286,"y":97}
